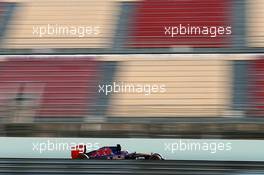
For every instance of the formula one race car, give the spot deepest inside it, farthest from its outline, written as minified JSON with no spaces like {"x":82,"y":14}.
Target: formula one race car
{"x":111,"y":153}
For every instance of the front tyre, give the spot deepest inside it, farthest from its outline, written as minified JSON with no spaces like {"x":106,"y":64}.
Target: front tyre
{"x":156,"y":156}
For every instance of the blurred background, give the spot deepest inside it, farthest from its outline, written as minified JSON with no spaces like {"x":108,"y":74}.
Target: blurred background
{"x":49,"y":83}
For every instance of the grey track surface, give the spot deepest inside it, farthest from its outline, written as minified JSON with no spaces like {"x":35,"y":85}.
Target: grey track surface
{"x":66,"y":166}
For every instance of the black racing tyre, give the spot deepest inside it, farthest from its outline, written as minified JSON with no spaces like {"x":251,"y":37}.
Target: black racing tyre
{"x":82,"y":156}
{"x":156,"y":156}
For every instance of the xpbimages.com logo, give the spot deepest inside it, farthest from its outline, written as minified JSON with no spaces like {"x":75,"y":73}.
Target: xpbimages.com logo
{"x":207,"y":31}
{"x":51,"y":145}
{"x":146,"y":89}
{"x":205,"y":146}
{"x":56,"y":30}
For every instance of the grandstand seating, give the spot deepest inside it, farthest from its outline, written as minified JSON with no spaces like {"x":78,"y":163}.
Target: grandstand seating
{"x":57,"y":87}
{"x":3,"y":15}
{"x":194,"y":88}
{"x":143,"y":27}
{"x":31,"y":14}
{"x":51,"y":87}
{"x":1,"y":9}
{"x":151,"y":16}
{"x":256,"y":88}
{"x":255,"y":23}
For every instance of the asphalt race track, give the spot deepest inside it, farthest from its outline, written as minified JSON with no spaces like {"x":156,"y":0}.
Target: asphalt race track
{"x":67,"y":166}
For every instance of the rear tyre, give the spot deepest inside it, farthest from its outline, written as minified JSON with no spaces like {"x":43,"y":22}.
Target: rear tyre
{"x":83,"y":156}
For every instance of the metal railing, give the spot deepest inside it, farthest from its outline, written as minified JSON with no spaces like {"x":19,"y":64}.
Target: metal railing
{"x":60,"y":166}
